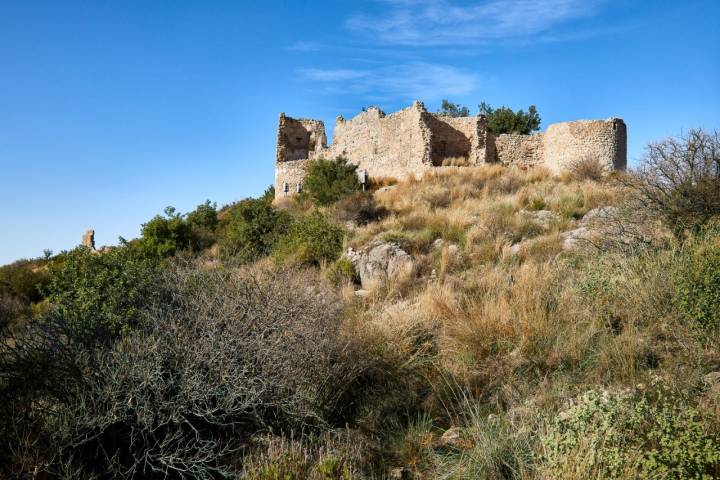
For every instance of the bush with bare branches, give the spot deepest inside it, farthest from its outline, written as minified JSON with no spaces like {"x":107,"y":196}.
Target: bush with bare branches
{"x":587,"y":168}
{"x":232,"y":354}
{"x":679,"y":180}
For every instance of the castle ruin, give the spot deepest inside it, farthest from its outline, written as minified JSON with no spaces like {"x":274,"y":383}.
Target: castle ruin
{"x":413,"y":140}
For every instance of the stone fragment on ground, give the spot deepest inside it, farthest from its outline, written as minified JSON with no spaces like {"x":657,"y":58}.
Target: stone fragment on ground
{"x":543,"y":218}
{"x":381,"y":262}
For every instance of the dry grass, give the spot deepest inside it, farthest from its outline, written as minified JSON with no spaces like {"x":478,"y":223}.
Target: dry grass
{"x":513,"y":321}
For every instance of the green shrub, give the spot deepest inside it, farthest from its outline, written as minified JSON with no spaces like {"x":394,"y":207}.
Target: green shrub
{"x":163,"y":236}
{"x":251,"y":228}
{"x":11,"y":308}
{"x":284,"y":459}
{"x":329,"y":180}
{"x":310,"y":240}
{"x":24,"y":279}
{"x":359,"y":208}
{"x":698,"y":288}
{"x":342,"y":271}
{"x":107,"y":292}
{"x":203,"y":222}
{"x":230,"y":354}
{"x":630,"y":435}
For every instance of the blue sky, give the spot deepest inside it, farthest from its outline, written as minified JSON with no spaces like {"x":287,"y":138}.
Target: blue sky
{"x":112,"y":110}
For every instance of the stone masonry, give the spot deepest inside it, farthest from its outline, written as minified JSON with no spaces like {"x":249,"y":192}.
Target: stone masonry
{"x":413,"y":140}
{"x":88,"y":240}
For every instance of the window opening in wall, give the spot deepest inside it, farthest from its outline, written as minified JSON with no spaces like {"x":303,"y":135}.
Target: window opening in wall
{"x":286,"y":188}
{"x":298,"y":187}
{"x":362,"y":178}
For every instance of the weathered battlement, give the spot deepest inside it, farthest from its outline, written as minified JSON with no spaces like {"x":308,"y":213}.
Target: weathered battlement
{"x":413,"y":140}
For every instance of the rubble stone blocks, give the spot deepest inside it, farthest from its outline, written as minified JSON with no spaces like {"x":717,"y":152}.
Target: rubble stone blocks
{"x":413,"y":140}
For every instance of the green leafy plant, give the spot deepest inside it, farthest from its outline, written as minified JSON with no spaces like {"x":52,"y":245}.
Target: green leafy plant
{"x":310,"y":240}
{"x":450,"y":109}
{"x":342,"y":271}
{"x":329,"y":180}
{"x":164,"y":235}
{"x":630,"y":435}
{"x":106,"y":292}
{"x":203,"y":222}
{"x":24,"y":279}
{"x":698,"y":286}
{"x":505,"y":120}
{"x":251,"y":228}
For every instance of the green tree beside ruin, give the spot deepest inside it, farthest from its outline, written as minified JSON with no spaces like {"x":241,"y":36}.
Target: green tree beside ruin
{"x":454,"y":110}
{"x":505,"y":120}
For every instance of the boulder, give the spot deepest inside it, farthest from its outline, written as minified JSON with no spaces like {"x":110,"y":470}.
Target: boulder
{"x":381,"y":262}
{"x":544,"y":218}
{"x":452,"y":438}
{"x":576,"y":239}
{"x":599,"y":215}
{"x":606,"y":227}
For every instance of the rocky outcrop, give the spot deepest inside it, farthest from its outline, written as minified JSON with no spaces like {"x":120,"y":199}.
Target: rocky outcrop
{"x":381,"y":262}
{"x":543,"y":218}
{"x":607,"y":227}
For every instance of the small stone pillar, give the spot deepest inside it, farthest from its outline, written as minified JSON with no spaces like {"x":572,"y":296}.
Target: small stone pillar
{"x":88,"y":240}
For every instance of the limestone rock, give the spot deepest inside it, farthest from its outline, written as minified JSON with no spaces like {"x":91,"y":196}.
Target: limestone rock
{"x":604,"y":227}
{"x":452,"y":438}
{"x":599,"y":214}
{"x":544,"y":218}
{"x":381,"y":262}
{"x":575,"y":239}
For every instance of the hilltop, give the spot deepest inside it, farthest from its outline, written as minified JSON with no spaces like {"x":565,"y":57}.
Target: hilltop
{"x":483,"y":321}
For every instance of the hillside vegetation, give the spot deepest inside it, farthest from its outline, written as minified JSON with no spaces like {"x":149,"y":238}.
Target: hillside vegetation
{"x":540,"y":327}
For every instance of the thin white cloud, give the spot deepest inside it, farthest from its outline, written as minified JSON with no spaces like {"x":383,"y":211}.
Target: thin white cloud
{"x":442,"y":22}
{"x":332,"y":75}
{"x":305,"y":46}
{"x":410,"y":81}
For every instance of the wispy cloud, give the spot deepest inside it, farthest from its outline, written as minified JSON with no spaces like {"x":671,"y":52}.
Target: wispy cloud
{"x":305,"y":46}
{"x":332,"y":75}
{"x":410,"y":81}
{"x":443,"y":23}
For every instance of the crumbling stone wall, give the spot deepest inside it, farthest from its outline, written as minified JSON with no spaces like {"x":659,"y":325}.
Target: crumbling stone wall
{"x":299,"y":139}
{"x":413,"y":140}
{"x":521,"y":150}
{"x":393,"y":145}
{"x":289,"y":177}
{"x":602,"y":140}
{"x":88,"y":239}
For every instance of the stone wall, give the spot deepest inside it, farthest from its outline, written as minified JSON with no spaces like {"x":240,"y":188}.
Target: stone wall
{"x":413,"y":140}
{"x":521,"y":150}
{"x":299,"y":139}
{"x":289,"y":176}
{"x":602,"y":140}
{"x":393,"y":145}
